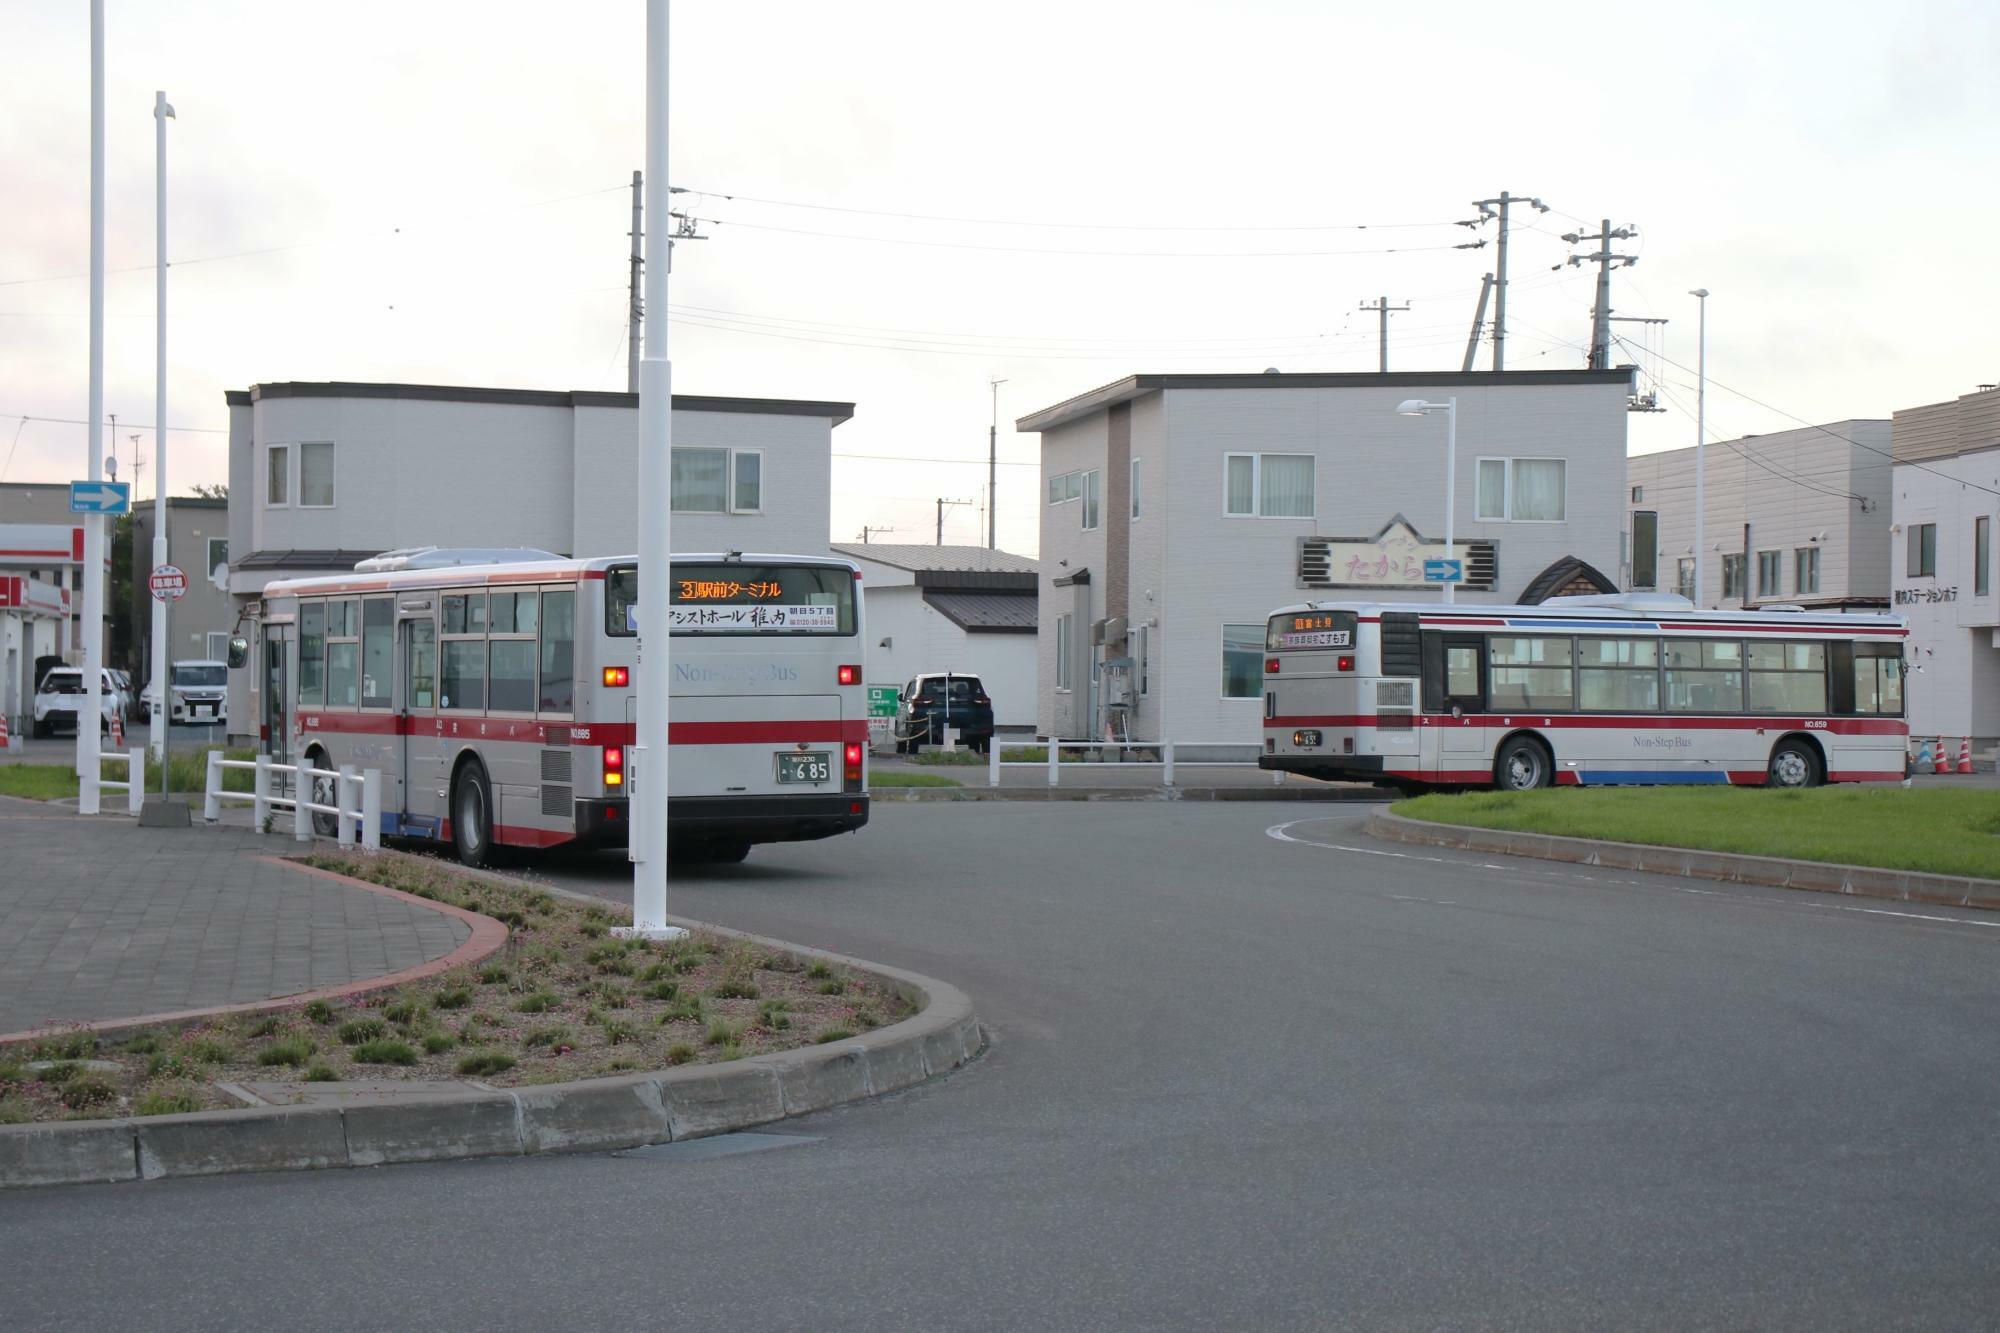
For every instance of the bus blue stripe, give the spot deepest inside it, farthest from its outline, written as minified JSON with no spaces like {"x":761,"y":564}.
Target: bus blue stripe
{"x":1588,"y":624}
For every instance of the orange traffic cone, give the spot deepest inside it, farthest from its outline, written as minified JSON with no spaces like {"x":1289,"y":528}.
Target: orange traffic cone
{"x":1965,"y":754}
{"x":117,"y":732}
{"x":1943,"y":765}
{"x":3,"y":731}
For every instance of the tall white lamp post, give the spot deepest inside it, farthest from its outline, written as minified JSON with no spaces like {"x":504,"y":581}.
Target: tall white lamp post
{"x":1700,"y":439}
{"x":90,"y":714}
{"x":1417,"y":407}
{"x":647,"y":787}
{"x":162,"y":700}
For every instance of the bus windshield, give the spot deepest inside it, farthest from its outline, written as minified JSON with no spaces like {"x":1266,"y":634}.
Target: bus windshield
{"x":739,"y":598}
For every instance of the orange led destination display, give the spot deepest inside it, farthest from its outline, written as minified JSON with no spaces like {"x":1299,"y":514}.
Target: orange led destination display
{"x":717,"y":590}
{"x":1325,"y":621}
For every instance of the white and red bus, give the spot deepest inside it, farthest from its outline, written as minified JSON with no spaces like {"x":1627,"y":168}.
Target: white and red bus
{"x":1636,"y":689}
{"x":498,"y":698}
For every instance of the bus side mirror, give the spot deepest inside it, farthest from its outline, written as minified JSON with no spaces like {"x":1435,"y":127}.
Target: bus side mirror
{"x":239,"y":651}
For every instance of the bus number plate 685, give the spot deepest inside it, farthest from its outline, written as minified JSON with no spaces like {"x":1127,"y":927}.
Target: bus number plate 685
{"x":813,"y":766}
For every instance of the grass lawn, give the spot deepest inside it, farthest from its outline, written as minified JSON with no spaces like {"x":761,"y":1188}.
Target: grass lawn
{"x":1945,"y":832}
{"x":48,"y":782}
{"x":881,"y":779}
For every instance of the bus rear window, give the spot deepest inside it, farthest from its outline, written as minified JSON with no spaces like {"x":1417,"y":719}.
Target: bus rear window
{"x":1310,"y":629}
{"x":739,"y":599}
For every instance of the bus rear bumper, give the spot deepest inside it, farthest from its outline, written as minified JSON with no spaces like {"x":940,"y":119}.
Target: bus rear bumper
{"x":751,"y":819}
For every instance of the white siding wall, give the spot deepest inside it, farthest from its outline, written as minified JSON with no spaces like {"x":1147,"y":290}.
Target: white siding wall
{"x":1954,"y":685}
{"x":1066,"y":548}
{"x":924,"y":640}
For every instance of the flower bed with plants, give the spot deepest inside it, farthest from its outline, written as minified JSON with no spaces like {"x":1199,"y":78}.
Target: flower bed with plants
{"x":561,"y":1001}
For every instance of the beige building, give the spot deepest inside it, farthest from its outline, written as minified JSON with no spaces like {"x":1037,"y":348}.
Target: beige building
{"x":198,"y":546}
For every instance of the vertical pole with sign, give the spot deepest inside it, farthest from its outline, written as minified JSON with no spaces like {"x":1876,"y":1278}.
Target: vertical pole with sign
{"x":93,"y":524}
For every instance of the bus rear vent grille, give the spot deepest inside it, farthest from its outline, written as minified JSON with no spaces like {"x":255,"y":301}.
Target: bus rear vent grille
{"x":556,"y":767}
{"x":556,"y":801}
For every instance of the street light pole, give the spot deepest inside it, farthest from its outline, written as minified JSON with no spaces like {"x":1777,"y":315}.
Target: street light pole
{"x":647,"y":784}
{"x":162,"y":715}
{"x":1700,"y":443}
{"x":92,"y":712}
{"x":992,"y":471}
{"x":1417,"y":407}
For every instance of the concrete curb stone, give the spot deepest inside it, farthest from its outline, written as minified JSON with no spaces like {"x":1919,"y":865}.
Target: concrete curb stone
{"x":592,"y":1115}
{"x":1909,"y":886}
{"x":922,"y":795}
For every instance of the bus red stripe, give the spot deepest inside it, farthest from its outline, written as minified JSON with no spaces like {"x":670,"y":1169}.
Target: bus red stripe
{"x":1843,"y":726}
{"x":584,"y":733}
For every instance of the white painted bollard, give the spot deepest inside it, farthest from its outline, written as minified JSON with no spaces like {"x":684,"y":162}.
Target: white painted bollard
{"x":371,"y":810}
{"x":1167,"y":767}
{"x":260,"y":789}
{"x":135,"y":779}
{"x":993,"y":762}
{"x":343,"y":804}
{"x":302,"y":787}
{"x":1055,"y":757}
{"x":211,"y":789}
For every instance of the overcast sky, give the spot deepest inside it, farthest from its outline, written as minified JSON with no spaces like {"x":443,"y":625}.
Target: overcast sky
{"x":435,"y":192}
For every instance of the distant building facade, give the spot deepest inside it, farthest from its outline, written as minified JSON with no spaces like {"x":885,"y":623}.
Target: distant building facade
{"x":952,"y":608}
{"x":324,"y":475}
{"x":1798,"y":517}
{"x":1941,"y":553}
{"x":1178,"y":511}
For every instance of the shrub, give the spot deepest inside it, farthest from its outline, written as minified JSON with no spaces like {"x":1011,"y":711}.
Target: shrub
{"x":721,"y":1033}
{"x":549,"y":1036}
{"x":293,"y":1051}
{"x":680,"y":1053}
{"x":72,"y":1045}
{"x":771,"y":1016}
{"x":13,"y":1071}
{"x":166,"y":1099}
{"x":265,"y":1027}
{"x":357,"y":1030}
{"x":455,"y":997}
{"x":657,"y":972}
{"x":537,"y":1002}
{"x":436,"y":1043}
{"x":485,"y":1062}
{"x":734,"y":987}
{"x":59,"y":1073}
{"x":819,"y":971}
{"x":541,"y":904}
{"x":621,"y":1065}
{"x":617,"y":1031}
{"x":403,"y":1012}
{"x":319,"y":1011}
{"x":14,"y":1111}
{"x":494,"y":975}
{"x":614,"y":996}
{"x":384,"y":1052}
{"x":662,"y":990}
{"x":591,"y":930}
{"x":834,"y":987}
{"x":86,"y":1091}
{"x":320,"y":1074}
{"x":832,"y":1034}
{"x":510,"y":917}
{"x":170,"y":1064}
{"x":143,"y":1044}
{"x":208,"y":1050}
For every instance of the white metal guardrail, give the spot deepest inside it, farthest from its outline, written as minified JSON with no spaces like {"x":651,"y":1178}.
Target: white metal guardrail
{"x":134,"y":785}
{"x":356,"y":824}
{"x":1166,"y":763}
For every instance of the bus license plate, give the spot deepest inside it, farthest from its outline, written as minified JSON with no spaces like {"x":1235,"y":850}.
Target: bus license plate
{"x":813,"y":766}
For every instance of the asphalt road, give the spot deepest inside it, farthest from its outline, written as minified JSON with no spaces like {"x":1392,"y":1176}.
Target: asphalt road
{"x":1237,"y":1081}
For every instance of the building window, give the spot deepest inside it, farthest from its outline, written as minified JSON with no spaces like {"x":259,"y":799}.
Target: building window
{"x":1770,"y":573}
{"x":1064,"y":487}
{"x":1732,"y":574}
{"x":316,"y":475}
{"x":1135,"y":488}
{"x":1638,"y":495}
{"x":1522,"y":490}
{"x":1062,"y":652}
{"x":218,"y":558}
{"x":1982,"y":555}
{"x":218,"y":645}
{"x":1685,"y":583}
{"x":1806,"y":568}
{"x":1089,"y":500}
{"x":700,"y":481}
{"x":747,"y":489}
{"x":1141,"y":661}
{"x":1922,"y":562}
{"x":1645,"y":548}
{"x":1267,"y":485}
{"x":278,"y":477}
{"x":1242,"y":661}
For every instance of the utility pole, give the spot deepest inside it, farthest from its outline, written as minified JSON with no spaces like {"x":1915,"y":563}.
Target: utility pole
{"x":1478,"y":321}
{"x":87,"y":717}
{"x":1383,"y":308}
{"x":635,"y":307}
{"x":1600,"y":317}
{"x":993,"y":471}
{"x":1495,"y":209}
{"x":866,"y":530}
{"x":941,"y":504}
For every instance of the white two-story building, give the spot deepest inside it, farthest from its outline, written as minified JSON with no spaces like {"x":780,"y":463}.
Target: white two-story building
{"x":1180,"y":510}
{"x":324,"y":475}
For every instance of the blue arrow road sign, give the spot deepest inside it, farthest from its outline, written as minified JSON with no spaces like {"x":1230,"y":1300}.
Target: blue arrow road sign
{"x":1444,"y":571}
{"x":100,"y":497}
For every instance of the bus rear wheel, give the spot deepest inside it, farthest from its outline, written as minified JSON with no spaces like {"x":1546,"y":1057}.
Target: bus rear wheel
{"x":472,"y":816}
{"x":1794,"y":763}
{"x":323,"y":792}
{"x":1523,"y":764}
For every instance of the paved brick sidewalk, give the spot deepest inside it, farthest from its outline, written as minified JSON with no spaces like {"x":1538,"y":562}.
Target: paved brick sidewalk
{"x":100,"y":919}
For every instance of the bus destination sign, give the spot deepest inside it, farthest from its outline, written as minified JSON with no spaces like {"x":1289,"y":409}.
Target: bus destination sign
{"x":723,"y":590}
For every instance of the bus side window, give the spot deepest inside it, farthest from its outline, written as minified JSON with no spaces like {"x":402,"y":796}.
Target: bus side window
{"x":558,"y":652}
{"x":312,"y":655}
{"x":423,"y":664}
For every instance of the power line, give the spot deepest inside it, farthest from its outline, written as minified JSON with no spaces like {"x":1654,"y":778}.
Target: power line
{"x":1791,"y":475}
{"x":1094,"y":254}
{"x":136,"y":425}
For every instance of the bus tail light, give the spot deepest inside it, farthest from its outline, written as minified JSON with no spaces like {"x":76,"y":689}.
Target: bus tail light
{"x":1343,"y":663}
{"x":851,"y":765}
{"x":850,"y":675}
{"x":614,"y":765}
{"x":617,"y":677}
{"x":1270,"y":666}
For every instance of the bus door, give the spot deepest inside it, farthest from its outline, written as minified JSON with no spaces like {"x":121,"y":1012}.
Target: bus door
{"x":1461,"y":731}
{"x":423,"y":747}
{"x":276,"y":719}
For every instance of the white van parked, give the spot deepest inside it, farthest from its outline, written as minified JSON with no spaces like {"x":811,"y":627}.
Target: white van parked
{"x":200,"y":692}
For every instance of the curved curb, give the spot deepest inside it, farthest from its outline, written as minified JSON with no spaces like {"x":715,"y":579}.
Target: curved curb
{"x":936,"y":795}
{"x":1906,"y":886}
{"x":592,"y":1115}
{"x":488,"y":937}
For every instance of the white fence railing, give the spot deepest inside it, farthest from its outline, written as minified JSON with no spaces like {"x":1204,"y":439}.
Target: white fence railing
{"x":1166,"y":763}
{"x":356,"y":807}
{"x":134,"y":785}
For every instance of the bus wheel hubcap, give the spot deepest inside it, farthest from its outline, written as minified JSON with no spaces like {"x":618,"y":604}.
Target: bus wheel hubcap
{"x":1522,"y":770}
{"x":1791,"y":769}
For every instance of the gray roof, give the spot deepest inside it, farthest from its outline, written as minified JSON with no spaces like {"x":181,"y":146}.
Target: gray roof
{"x":987,"y":612}
{"x":1138,"y":386}
{"x":462,"y":393}
{"x":939,"y":559}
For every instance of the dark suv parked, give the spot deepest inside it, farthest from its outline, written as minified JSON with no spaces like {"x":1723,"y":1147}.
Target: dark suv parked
{"x":936,"y":700}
